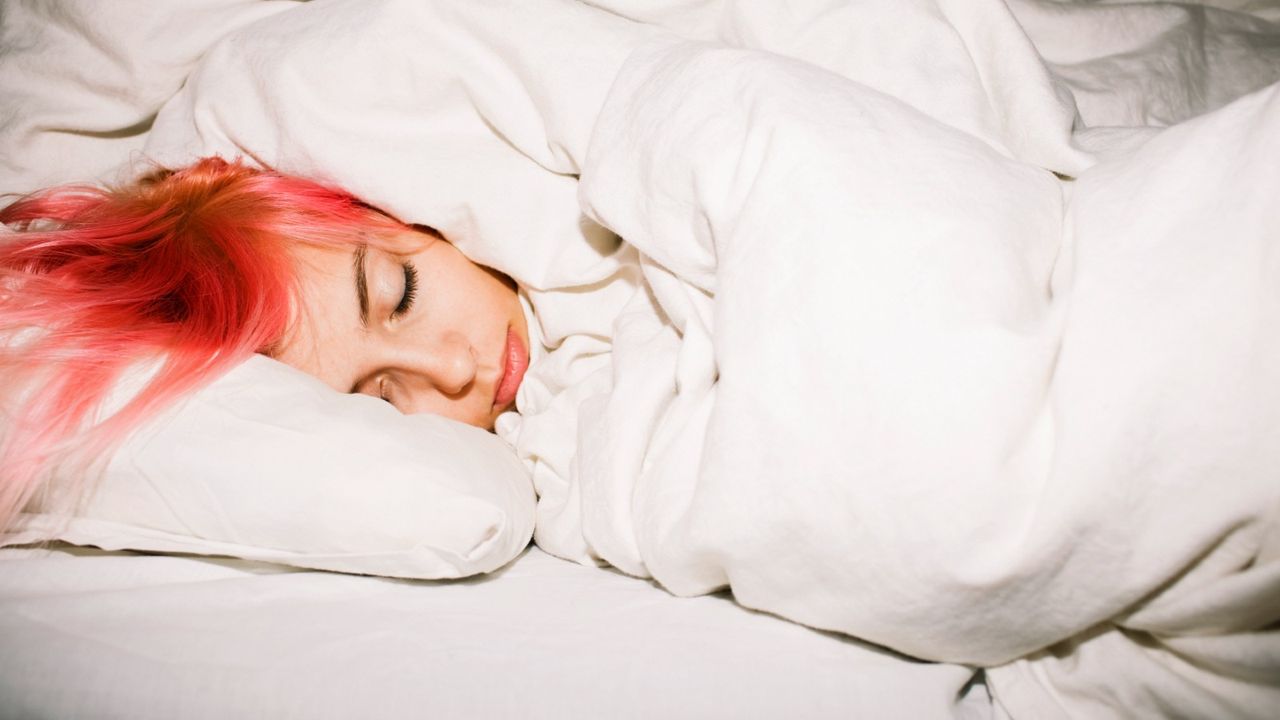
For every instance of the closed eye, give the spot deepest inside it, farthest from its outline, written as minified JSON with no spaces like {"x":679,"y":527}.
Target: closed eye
{"x":378,"y":386}
{"x":410,"y":291}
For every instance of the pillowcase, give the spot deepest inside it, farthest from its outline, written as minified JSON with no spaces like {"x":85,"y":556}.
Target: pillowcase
{"x":268,"y":463}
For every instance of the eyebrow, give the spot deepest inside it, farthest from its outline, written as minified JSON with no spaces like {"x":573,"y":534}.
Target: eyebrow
{"x":362,"y":282}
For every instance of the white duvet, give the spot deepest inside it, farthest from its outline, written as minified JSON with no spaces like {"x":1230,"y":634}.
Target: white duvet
{"x":925,"y":329}
{"x":902,"y":386}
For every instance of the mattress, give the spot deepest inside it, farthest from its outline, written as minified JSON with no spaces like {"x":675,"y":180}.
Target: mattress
{"x":93,"y":634}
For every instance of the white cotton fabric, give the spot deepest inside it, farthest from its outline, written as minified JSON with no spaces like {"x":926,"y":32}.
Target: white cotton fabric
{"x":1062,"y":423}
{"x":82,"y":80}
{"x":90,"y":635}
{"x":270,"y":464}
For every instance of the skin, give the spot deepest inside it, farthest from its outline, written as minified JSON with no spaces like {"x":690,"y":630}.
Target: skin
{"x":443,"y":355}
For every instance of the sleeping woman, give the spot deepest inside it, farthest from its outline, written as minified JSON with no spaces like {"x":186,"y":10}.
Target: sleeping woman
{"x":214,"y":262}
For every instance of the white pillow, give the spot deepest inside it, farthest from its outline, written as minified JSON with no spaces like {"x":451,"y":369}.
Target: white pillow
{"x":268,"y":463}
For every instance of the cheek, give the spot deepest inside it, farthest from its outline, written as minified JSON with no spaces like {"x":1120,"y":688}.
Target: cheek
{"x":500,"y":292}
{"x":478,"y":296}
{"x":460,"y":410}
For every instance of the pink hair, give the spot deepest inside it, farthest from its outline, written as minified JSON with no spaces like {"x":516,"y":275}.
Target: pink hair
{"x":191,"y":266}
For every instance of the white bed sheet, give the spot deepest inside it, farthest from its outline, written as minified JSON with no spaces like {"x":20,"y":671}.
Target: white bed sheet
{"x":87,"y":633}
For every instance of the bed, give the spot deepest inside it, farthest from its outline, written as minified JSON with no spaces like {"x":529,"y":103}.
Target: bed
{"x":91,"y":634}
{"x":1059,"y":508}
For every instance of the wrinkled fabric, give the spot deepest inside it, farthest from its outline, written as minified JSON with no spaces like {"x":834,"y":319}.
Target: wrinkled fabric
{"x":921,"y":396}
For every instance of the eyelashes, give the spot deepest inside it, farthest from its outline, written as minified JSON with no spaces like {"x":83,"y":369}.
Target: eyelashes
{"x":410,"y":291}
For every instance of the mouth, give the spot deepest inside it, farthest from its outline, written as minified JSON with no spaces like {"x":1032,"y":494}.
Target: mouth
{"x":515,"y":360}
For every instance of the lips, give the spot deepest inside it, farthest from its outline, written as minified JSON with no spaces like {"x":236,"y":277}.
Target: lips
{"x":515,"y":360}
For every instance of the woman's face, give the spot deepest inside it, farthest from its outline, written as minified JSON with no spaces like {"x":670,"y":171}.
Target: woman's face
{"x":420,"y":326}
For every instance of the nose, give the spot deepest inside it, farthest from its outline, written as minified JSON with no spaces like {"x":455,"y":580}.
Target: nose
{"x":448,"y":365}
